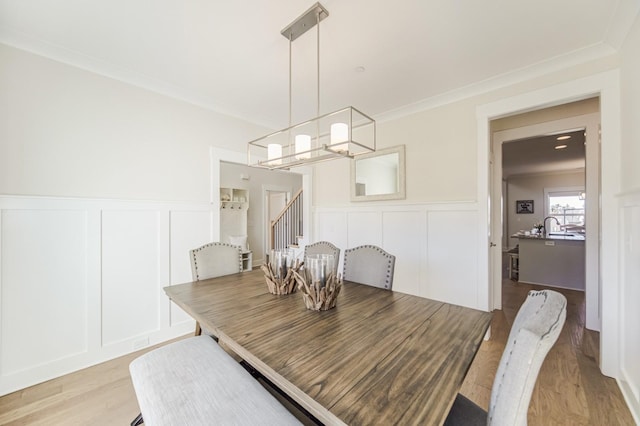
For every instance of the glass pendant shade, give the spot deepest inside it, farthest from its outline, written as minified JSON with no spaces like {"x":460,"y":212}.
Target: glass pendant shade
{"x":343,"y":133}
{"x":303,"y":147}
{"x":274,"y":153}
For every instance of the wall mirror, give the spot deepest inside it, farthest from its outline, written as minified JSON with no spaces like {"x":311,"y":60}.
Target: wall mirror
{"x":378,"y":175}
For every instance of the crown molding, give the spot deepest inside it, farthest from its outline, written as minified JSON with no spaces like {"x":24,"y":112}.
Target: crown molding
{"x":622,"y":22}
{"x":94,"y":65}
{"x":539,"y":69}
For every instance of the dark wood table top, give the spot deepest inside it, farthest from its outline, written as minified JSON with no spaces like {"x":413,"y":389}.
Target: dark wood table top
{"x":378,"y":357}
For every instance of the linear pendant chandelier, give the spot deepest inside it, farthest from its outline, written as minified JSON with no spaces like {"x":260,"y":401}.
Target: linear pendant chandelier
{"x":339,"y":134}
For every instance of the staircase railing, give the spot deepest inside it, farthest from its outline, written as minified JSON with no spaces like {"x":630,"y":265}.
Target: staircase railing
{"x":287,"y":227}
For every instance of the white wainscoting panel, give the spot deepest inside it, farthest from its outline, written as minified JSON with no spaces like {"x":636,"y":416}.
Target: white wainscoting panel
{"x":130,"y":274}
{"x":401,"y":234}
{"x":435,"y":244}
{"x":189,"y":230}
{"x":43,"y":261}
{"x":331,"y":226}
{"x":81,"y":280}
{"x":452,"y":258}
{"x":630,"y":296}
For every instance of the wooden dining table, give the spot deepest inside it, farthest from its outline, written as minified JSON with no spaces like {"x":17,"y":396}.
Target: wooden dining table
{"x":378,"y":357}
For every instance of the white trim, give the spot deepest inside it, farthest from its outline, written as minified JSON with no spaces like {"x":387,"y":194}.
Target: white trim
{"x":91,"y":220}
{"x":622,"y":22}
{"x":430,"y":206}
{"x":629,"y":384}
{"x":547,"y":66}
{"x":607,"y":85}
{"x":106,"y":69}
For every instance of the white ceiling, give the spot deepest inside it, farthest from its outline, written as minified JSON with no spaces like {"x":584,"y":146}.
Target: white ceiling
{"x":230,"y":56}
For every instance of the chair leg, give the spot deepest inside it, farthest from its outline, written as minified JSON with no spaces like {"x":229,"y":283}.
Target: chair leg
{"x":198,"y":329}
{"x":138,"y":420}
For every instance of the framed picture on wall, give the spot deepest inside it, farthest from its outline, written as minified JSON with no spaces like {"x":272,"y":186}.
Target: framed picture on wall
{"x":524,"y":206}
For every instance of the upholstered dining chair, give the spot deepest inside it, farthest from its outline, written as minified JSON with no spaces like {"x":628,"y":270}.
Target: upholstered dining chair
{"x":534,"y":331}
{"x":369,"y":265}
{"x":214,"y":260}
{"x":323,"y":247}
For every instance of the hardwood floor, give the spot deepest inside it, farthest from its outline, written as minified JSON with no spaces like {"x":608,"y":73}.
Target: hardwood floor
{"x":570,"y":389}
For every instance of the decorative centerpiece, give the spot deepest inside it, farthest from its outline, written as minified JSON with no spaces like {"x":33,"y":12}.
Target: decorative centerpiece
{"x":279,"y":271}
{"x":319,"y":283}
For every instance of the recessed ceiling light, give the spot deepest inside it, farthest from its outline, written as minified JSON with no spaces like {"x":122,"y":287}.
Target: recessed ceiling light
{"x":563,"y":138}
{"x":561,"y":146}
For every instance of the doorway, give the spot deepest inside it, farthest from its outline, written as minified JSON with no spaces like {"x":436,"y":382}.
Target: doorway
{"x":584,"y":123}
{"x":606,"y":85}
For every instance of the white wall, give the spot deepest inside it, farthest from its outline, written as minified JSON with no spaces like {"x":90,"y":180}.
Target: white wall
{"x":82,"y":280}
{"x":68,"y":132}
{"x":630,"y":213}
{"x":445,"y":147}
{"x":83,"y":259}
{"x":442,"y":167}
{"x":532,"y":187}
{"x":432,"y":242}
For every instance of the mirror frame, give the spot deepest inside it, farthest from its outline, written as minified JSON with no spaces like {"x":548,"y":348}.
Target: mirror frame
{"x":400,"y":194}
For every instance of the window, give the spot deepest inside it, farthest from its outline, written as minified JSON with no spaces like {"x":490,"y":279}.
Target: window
{"x":567,"y":206}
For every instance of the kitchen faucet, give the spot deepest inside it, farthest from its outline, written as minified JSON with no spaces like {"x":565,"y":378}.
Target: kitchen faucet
{"x":544,"y":224}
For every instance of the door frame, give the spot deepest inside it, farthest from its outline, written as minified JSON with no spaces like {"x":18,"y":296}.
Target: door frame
{"x":216,"y":155}
{"x":606,"y":85}
{"x":591,"y":123}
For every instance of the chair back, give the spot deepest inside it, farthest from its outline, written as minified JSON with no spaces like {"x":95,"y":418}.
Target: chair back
{"x":534,"y":331}
{"x":369,"y":265}
{"x":323,"y":247}
{"x":215,"y":260}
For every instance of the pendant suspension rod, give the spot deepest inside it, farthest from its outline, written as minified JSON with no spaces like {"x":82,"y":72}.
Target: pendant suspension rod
{"x":318,"y":61}
{"x":290,"y":90}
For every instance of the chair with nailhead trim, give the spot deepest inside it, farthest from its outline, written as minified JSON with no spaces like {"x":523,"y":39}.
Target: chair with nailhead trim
{"x":369,"y":265}
{"x":214,"y":260}
{"x":323,"y":247}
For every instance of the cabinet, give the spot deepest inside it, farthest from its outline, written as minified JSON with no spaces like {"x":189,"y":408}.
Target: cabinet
{"x":234,"y":198}
{"x":234,"y":204}
{"x":247,"y":261}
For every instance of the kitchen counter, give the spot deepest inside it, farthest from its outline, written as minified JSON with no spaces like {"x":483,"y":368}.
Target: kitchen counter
{"x":554,"y":260}
{"x":553,"y":236}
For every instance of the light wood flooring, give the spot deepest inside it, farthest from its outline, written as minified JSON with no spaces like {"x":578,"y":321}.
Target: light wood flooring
{"x":570,"y":389}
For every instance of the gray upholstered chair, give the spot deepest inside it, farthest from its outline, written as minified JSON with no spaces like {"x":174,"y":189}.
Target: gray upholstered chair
{"x":323,"y":247}
{"x":534,"y":331}
{"x":214,"y":260}
{"x":369,"y":265}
